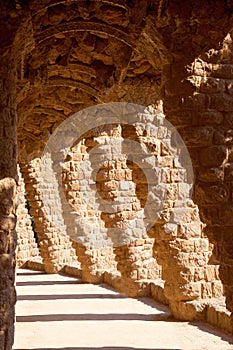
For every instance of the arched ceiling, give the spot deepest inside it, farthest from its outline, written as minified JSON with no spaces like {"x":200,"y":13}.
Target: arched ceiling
{"x":72,"y":54}
{"x":78,"y":53}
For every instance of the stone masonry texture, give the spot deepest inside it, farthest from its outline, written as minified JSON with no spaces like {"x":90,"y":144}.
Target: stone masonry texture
{"x":61,"y":57}
{"x":27,"y":247}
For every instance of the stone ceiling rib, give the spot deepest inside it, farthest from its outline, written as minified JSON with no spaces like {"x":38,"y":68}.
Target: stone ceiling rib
{"x":119,"y":3}
{"x":73,"y":67}
{"x":48,"y":111}
{"x":93,"y":27}
{"x":54,"y":81}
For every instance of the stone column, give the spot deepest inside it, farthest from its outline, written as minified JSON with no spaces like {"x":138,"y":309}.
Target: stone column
{"x":100,"y":189}
{"x":94,"y":249}
{"x":121,"y":195}
{"x":27,"y":247}
{"x":117,"y":183}
{"x":184,"y":251}
{"x":198,"y":101}
{"x":8,"y":174}
{"x":55,"y":245}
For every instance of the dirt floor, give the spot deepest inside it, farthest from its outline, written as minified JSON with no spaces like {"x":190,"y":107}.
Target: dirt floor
{"x":57,"y":312}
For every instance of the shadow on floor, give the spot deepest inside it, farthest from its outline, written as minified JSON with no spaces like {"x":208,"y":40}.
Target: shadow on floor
{"x":47,"y":283}
{"x":70,"y":296}
{"x":31,"y":273}
{"x":154,"y":304}
{"x":208,"y":328}
{"x":102,"y":348}
{"x":93,"y":317}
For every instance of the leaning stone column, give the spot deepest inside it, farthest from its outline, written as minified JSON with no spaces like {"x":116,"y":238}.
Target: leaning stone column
{"x":94,"y":249}
{"x":194,"y":102}
{"x":184,"y":252}
{"x":8,"y":173}
{"x":132,"y":246}
{"x":106,"y":210}
{"x":119,"y":185}
{"x":55,"y":245}
{"x":26,"y":243}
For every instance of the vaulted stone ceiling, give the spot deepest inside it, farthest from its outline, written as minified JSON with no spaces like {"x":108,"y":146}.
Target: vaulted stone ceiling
{"x":75,"y":54}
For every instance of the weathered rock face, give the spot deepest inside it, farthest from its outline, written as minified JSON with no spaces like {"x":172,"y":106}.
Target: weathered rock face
{"x":61,"y":57}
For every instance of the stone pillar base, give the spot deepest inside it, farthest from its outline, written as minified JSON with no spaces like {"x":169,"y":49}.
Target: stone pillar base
{"x":95,"y":277}
{"x":189,"y":310}
{"x":135,"y":289}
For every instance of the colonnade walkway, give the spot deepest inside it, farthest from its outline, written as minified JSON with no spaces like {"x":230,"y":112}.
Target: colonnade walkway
{"x":59,"y":312}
